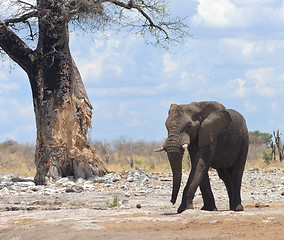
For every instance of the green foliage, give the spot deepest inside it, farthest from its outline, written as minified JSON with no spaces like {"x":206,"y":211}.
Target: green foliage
{"x":137,"y":162}
{"x":114,"y":203}
{"x":258,"y":137}
{"x":267,"y":157}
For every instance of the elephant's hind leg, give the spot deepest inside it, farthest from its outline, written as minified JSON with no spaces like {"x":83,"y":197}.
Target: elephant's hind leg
{"x":207,"y":195}
{"x":232,"y":178}
{"x":237,"y":175}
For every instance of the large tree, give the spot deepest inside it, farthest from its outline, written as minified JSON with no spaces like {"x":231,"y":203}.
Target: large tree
{"x":35,"y":34}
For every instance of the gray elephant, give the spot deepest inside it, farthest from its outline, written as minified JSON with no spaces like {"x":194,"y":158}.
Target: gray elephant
{"x":215,"y":137}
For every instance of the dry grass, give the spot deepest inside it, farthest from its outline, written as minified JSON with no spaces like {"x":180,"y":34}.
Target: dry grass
{"x":255,"y":159}
{"x":17,"y":158}
{"x":260,"y":164}
{"x":120,"y":155}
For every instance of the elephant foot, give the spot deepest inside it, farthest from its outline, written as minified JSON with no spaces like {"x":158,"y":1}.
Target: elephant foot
{"x":209,"y":208}
{"x":183,"y":207}
{"x":238,"y":208}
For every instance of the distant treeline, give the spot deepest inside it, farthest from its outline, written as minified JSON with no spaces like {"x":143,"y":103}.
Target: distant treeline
{"x":126,"y":153}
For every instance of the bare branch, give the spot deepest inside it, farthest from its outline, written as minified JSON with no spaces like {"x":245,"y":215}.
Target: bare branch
{"x":23,"y":18}
{"x":131,"y":5}
{"x":15,"y":47}
{"x":26,"y":3}
{"x":77,"y":7}
{"x":31,"y":30}
{"x":165,"y":31}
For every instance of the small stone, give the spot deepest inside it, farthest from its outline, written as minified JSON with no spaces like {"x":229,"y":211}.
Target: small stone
{"x":258,"y":205}
{"x":16,"y":179}
{"x":88,"y":186}
{"x":37,"y":188}
{"x":108,"y":185}
{"x":214,"y":221}
{"x":4,"y":191}
{"x":69,"y":184}
{"x":130,"y":179}
{"x":93,"y":179}
{"x":138,"y":205}
{"x":24,"y":184}
{"x":80,"y":180}
{"x":166,"y":179}
{"x":62,"y":181}
{"x":70,"y":190}
{"x":111,"y":177}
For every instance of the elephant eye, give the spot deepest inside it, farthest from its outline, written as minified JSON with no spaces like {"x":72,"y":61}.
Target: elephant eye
{"x":186,"y":127}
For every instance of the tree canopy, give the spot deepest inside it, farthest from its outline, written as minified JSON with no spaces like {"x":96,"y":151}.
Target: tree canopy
{"x":149,"y":19}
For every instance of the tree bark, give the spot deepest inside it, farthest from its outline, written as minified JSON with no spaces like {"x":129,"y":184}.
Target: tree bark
{"x":63,"y":120}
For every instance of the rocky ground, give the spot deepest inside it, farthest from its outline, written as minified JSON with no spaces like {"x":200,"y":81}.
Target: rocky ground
{"x":135,"y":205}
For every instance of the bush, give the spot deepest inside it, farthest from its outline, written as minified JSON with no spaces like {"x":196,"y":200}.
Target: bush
{"x":114,"y":203}
{"x":124,"y":153}
{"x":267,"y":158}
{"x":257,"y":137}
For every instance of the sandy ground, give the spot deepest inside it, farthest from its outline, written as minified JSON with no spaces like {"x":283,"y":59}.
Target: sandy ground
{"x":261,"y":223}
{"x":27,"y":214}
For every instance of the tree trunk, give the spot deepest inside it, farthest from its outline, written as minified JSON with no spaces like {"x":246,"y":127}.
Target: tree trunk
{"x":62,"y":108}
{"x":61,"y":132}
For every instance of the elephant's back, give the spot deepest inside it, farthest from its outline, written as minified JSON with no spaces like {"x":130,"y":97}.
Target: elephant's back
{"x":232,"y":142}
{"x":238,"y":126}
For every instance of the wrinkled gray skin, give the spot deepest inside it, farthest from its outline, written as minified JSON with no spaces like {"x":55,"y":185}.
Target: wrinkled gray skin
{"x":215,"y":137}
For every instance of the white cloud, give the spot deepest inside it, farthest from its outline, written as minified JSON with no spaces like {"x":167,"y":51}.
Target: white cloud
{"x":238,"y":85}
{"x":239,"y":13}
{"x":280,"y":81}
{"x":192,"y":81}
{"x":123,"y":107}
{"x":170,"y":65}
{"x":3,"y":76}
{"x":135,"y":123}
{"x":12,"y":109}
{"x":274,"y":106}
{"x":99,"y":61}
{"x":250,"y":107}
{"x":261,"y":76}
{"x":26,"y":111}
{"x":219,"y":13}
{"x":3,"y":116}
{"x":8,"y":86}
{"x":248,"y":52}
{"x":109,"y":58}
{"x":258,"y":82}
{"x":127,"y":91}
{"x":262,"y":80}
{"x":256,"y":2}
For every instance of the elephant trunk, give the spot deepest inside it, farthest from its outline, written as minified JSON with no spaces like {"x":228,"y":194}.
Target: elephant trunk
{"x":175,"y":146}
{"x":175,"y":159}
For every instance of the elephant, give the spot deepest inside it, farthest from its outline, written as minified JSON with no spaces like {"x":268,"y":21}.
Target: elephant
{"x":215,"y":137}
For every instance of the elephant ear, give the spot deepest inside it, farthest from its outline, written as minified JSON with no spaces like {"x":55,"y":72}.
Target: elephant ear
{"x":212,"y":126}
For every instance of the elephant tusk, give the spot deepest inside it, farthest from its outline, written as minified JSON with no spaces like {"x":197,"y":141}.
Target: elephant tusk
{"x":185,"y":146}
{"x":159,"y":149}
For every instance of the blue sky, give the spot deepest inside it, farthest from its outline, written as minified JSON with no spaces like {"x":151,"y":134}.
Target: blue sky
{"x":235,"y":57}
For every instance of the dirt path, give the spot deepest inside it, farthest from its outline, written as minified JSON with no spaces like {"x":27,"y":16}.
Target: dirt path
{"x":259,"y":223}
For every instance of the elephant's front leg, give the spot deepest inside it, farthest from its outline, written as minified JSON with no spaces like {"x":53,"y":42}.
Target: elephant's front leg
{"x":199,"y":169}
{"x":207,"y":195}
